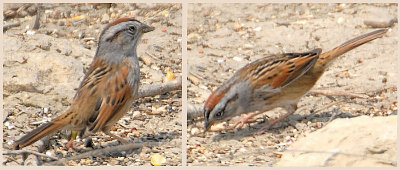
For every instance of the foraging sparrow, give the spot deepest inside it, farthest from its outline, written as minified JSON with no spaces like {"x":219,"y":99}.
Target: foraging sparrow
{"x":108,"y":88}
{"x":274,"y":81}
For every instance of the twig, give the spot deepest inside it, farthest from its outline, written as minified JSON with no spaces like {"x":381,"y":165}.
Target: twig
{"x":192,"y":73}
{"x":98,"y":152}
{"x":152,"y":56}
{"x":89,"y":39}
{"x":194,"y":111}
{"x":325,"y":107}
{"x":156,"y":89}
{"x":338,"y":93}
{"x":10,"y":25}
{"x":21,"y":152}
{"x":332,"y":117}
{"x":155,"y":60}
{"x":36,"y":24}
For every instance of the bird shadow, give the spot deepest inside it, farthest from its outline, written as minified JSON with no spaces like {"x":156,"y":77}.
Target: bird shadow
{"x":324,"y":115}
{"x":293,"y":121}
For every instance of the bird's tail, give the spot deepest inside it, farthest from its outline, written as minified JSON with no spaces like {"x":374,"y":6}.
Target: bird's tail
{"x":39,"y":133}
{"x":327,"y":57}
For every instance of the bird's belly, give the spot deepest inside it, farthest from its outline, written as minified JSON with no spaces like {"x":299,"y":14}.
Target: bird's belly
{"x":267,"y":99}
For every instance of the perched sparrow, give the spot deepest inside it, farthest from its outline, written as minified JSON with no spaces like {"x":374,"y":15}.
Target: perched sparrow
{"x":108,"y":88}
{"x":275,"y":81}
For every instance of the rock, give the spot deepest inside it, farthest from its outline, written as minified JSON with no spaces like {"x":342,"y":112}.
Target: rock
{"x":31,"y":161}
{"x":381,"y":22}
{"x":41,"y":78}
{"x":45,"y":45}
{"x":105,"y":18}
{"x":9,"y":14}
{"x":31,"y":10}
{"x":357,"y":142}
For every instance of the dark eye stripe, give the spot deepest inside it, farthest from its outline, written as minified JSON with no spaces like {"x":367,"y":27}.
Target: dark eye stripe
{"x":220,"y":113}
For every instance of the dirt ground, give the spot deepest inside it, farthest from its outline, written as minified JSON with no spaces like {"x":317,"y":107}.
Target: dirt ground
{"x":43,"y":68}
{"x":225,"y":37}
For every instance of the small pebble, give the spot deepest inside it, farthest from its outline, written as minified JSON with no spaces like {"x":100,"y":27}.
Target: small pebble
{"x":46,"y":110}
{"x":340,"y":20}
{"x":257,"y":29}
{"x":194,"y":131}
{"x":49,"y":153}
{"x":9,"y":125}
{"x":30,"y":32}
{"x":248,"y":46}
{"x":158,"y":160}
{"x":192,"y":36}
{"x":193,"y":79}
{"x":238,"y":59}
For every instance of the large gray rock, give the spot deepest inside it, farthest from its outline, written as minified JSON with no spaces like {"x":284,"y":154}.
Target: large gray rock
{"x":357,"y":142}
{"x":42,"y":71}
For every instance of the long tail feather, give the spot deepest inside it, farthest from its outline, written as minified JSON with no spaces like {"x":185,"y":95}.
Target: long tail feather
{"x":37,"y":134}
{"x":327,"y":57}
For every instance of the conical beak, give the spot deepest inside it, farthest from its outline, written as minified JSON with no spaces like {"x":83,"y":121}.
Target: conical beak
{"x":207,"y":123}
{"x":207,"y":126}
{"x":146,"y":28}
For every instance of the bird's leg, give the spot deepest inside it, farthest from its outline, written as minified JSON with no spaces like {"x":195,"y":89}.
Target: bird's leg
{"x":244,"y":120}
{"x":70,"y":144}
{"x":290,"y":110}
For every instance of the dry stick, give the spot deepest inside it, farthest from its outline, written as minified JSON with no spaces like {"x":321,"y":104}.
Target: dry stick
{"x":156,"y":89}
{"x":338,"y":93}
{"x":21,"y":152}
{"x":194,"y":111}
{"x":98,"y":152}
{"x":325,"y":107}
{"x":192,"y":73}
{"x":158,"y":61}
{"x":152,"y":56}
{"x":10,"y":25}
{"x":36,"y":24}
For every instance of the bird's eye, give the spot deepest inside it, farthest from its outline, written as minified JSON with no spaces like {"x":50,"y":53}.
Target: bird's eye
{"x":219,"y":114}
{"x":132,"y":29}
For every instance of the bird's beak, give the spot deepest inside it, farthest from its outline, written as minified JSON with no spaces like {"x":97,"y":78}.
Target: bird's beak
{"x":207,"y":126}
{"x":146,"y":28}
{"x":207,"y":123}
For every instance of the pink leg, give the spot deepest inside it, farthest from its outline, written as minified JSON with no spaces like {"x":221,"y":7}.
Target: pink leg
{"x":244,"y":120}
{"x":70,"y":144}
{"x":290,"y":110}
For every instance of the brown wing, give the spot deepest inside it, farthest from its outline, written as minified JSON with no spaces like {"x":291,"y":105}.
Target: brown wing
{"x":115,"y":95}
{"x":279,"y":72}
{"x":102,"y":93}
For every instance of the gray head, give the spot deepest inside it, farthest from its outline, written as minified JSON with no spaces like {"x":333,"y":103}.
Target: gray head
{"x":121,"y":37}
{"x":226,"y":102}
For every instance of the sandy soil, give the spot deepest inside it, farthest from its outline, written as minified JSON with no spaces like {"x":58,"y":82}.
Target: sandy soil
{"x":225,"y":37}
{"x":57,"y":55}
